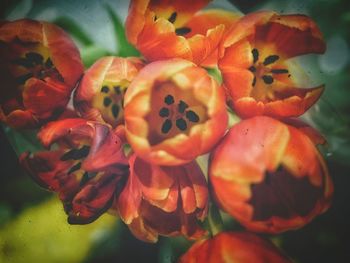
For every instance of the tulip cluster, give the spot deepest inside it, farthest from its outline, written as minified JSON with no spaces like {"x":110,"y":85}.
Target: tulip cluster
{"x":139,"y":124}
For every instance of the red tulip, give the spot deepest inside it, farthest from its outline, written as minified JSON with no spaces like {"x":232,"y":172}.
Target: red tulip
{"x":237,"y":247}
{"x":39,"y":68}
{"x":174,"y":111}
{"x":174,"y":29}
{"x":100,"y":94}
{"x":85,"y":166}
{"x":161,"y":200}
{"x":254,"y":64}
{"x":270,"y":176}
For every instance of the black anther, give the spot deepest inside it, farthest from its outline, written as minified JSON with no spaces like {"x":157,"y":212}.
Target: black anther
{"x":181,"y":124}
{"x":192,"y":116}
{"x":270,"y":59}
{"x":169,"y":99}
{"x":267,"y":79}
{"x":164,"y":112}
{"x":255,"y":54}
{"x":105,"y":89}
{"x":166,"y":126}
{"x":107,"y":101}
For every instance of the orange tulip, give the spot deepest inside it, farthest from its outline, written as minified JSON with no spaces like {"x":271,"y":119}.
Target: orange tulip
{"x":270,"y":176}
{"x":174,"y":111}
{"x":100,"y":94}
{"x":161,"y":200}
{"x":253,"y":62}
{"x":86,"y":166}
{"x":237,"y":247}
{"x":174,"y":29}
{"x":39,"y":68}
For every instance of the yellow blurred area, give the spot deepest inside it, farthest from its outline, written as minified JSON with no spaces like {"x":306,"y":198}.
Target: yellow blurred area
{"x":42,"y":234}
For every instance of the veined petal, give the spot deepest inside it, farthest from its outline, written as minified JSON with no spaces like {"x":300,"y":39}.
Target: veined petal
{"x":266,"y":172}
{"x":240,"y":247}
{"x":174,"y":111}
{"x":293,"y":35}
{"x":252,"y":60}
{"x":65,"y":55}
{"x":93,"y":199}
{"x":58,"y":129}
{"x":100,"y":94}
{"x":161,"y":29}
{"x":40,"y":67}
{"x":163,"y":200}
{"x":86,"y":183}
{"x":45,"y":99}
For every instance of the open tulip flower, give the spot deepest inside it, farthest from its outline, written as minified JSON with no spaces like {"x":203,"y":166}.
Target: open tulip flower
{"x":229,"y":247}
{"x":254,"y":63}
{"x":174,"y":111}
{"x":162,"y":200}
{"x":85,"y":166}
{"x":39,"y":68}
{"x":100,"y":94}
{"x":144,"y":130}
{"x":175,"y":29}
{"x":269,"y":176}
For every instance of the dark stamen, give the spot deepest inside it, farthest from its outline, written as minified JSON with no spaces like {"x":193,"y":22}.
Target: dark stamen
{"x":164,"y":112}
{"x":117,"y":90}
{"x":74,"y":168}
{"x":252,"y":69}
{"x":115,"y":110}
{"x":182,"y":31}
{"x":172,"y":17}
{"x":107,"y":101}
{"x":82,"y":152}
{"x":279,"y":71}
{"x":270,"y":59}
{"x":86,"y":177}
{"x":182,"y":106}
{"x":166,"y":126}
{"x":68,"y":155}
{"x":48,"y":63}
{"x":169,"y":99}
{"x":35,"y":57}
{"x":22,"y":62}
{"x":254,"y":81}
{"x":255,"y":54}
{"x":23,"y":78}
{"x":181,"y":124}
{"x":105,"y":89}
{"x":76,"y":154}
{"x":192,"y":116}
{"x":267,"y":79}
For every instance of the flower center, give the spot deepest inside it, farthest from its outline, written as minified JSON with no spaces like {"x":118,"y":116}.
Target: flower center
{"x":263,"y":70}
{"x":173,"y":111}
{"x":266,"y":71}
{"x":177,"y":113}
{"x":76,"y":155}
{"x":181,"y":30}
{"x":279,"y":195}
{"x":34,"y":64}
{"x":110,"y":101}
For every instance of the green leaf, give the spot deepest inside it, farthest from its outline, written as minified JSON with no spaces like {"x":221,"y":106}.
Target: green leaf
{"x":125,"y":48}
{"x":74,"y":29}
{"x":23,"y":141}
{"x":215,"y":73}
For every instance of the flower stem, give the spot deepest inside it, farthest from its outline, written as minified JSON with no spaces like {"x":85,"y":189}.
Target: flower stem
{"x":214,"y":220}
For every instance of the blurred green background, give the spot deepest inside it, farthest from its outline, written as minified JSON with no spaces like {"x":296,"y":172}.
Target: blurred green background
{"x":33,"y":226}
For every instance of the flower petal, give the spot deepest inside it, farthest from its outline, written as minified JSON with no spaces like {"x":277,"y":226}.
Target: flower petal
{"x":293,"y":35}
